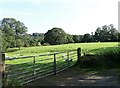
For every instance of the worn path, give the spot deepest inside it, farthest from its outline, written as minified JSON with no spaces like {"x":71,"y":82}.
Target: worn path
{"x":81,"y":77}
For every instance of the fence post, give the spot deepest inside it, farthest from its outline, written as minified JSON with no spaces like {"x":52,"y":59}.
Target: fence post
{"x":68,"y":58}
{"x":34,"y":67}
{"x":54,"y":64}
{"x":2,"y":69}
{"x":78,"y":55}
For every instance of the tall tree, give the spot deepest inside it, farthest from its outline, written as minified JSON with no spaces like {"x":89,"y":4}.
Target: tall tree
{"x":26,"y":40}
{"x":106,"y":33}
{"x":39,"y":37}
{"x":113,"y":33}
{"x":7,"y":32}
{"x":13,"y":30}
{"x":97,"y":36}
{"x":87,"y":38}
{"x":76,"y":38}
{"x":55,"y":36}
{"x":69,"y":38}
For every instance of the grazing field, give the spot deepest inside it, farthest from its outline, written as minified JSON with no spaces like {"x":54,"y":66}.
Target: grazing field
{"x":32,"y":51}
{"x":94,"y":48}
{"x":57,"y":48}
{"x":26,"y":69}
{"x":103,"y":55}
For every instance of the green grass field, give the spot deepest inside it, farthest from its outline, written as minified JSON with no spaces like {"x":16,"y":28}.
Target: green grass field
{"x":86,"y":47}
{"x":57,"y":48}
{"x":105,"y":49}
{"x":24,"y":68}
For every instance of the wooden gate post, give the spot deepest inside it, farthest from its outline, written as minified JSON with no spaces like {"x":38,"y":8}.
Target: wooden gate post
{"x":68,"y":59}
{"x":54,"y":64}
{"x":34,"y":68}
{"x":2,"y":68}
{"x":78,"y":55}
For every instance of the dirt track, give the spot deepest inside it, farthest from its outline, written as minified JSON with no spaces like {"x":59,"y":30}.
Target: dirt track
{"x":77,"y":77}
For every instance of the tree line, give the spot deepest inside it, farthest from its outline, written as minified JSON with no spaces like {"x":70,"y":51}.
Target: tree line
{"x":14,"y":34}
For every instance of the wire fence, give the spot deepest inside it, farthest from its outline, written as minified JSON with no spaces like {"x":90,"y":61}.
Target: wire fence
{"x":29,"y":68}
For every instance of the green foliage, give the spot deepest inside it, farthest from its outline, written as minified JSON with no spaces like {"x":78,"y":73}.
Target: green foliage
{"x":11,"y":31}
{"x":26,"y":39}
{"x":102,"y":58}
{"x":69,"y":38}
{"x":13,"y":83}
{"x":3,"y":43}
{"x":14,"y":34}
{"x":38,"y":38}
{"x":55,"y":36}
{"x":76,"y":38}
{"x":106,"y":33}
{"x":119,"y":37}
{"x":87,"y":38}
{"x":19,"y":43}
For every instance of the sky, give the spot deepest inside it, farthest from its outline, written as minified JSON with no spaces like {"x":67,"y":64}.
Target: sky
{"x":73,"y":16}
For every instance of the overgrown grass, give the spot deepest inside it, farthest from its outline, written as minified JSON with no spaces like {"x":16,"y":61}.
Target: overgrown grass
{"x":101,"y":58}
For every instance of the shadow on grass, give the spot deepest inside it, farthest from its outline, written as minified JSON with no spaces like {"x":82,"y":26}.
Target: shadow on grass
{"x":98,"y":69}
{"x":12,"y":50}
{"x":15,"y":76}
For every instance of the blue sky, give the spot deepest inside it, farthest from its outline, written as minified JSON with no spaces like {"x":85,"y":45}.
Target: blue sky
{"x":74,"y":16}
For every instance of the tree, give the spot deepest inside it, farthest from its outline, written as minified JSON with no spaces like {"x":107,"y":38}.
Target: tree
{"x":19,"y":43}
{"x":97,"y":35}
{"x":12,"y":30}
{"x":77,"y":38}
{"x":118,"y":39}
{"x":101,"y":34}
{"x":106,"y":33}
{"x":87,"y":38}
{"x":39,"y":37}
{"x":26,"y":40}
{"x":19,"y":29}
{"x":69,"y":38}
{"x":55,"y":36}
{"x":7,"y":32}
{"x":113,"y":33}
{"x":3,"y":43}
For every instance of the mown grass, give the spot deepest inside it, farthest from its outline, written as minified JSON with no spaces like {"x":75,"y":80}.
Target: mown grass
{"x":57,"y":48}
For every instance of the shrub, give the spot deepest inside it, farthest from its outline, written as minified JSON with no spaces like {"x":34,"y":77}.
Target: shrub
{"x":105,"y":58}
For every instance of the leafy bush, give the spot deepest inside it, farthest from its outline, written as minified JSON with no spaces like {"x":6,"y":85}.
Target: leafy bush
{"x":105,"y":58}
{"x":13,"y":83}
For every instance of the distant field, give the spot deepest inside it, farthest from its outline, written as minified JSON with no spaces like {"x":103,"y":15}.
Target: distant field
{"x":57,"y":48}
